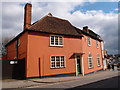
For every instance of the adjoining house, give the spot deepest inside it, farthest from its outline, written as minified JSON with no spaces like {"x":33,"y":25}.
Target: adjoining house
{"x":105,"y":62}
{"x":54,"y":47}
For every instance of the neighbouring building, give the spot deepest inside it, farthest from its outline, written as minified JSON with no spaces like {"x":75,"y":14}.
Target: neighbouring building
{"x":105,"y":61}
{"x":54,"y":47}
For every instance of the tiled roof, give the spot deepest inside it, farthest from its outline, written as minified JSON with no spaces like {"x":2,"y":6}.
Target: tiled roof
{"x":89,"y":33}
{"x":50,"y":24}
{"x":56,"y":25}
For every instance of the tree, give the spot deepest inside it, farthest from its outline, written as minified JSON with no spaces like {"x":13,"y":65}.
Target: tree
{"x":4,"y":52}
{"x":5,"y":40}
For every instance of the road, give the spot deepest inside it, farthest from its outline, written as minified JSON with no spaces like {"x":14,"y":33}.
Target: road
{"x":103,"y":79}
{"x":93,"y":81}
{"x":107,"y":83}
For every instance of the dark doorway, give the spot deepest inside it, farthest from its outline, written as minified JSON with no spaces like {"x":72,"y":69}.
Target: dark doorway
{"x":13,"y":69}
{"x":79,"y":65}
{"x":19,"y":70}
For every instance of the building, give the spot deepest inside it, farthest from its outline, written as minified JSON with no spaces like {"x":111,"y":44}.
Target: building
{"x":54,"y":47}
{"x":105,"y":60}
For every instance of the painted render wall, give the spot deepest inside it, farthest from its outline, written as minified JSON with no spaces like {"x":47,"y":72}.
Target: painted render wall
{"x":11,"y":50}
{"x":36,"y":49}
{"x":22,"y":48}
{"x":94,"y":51}
{"x":39,"y":47}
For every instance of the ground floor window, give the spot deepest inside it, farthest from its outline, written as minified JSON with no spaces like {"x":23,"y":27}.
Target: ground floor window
{"x":98,"y":60}
{"x":90,"y":61}
{"x":57,"y":61}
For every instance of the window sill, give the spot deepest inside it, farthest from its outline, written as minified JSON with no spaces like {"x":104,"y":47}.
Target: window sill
{"x":57,"y":67}
{"x":99,"y":65}
{"x":56,"y":45}
{"x":90,"y":67}
{"x":89,"y":45}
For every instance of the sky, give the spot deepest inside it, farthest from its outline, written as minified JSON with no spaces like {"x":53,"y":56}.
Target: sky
{"x":101,"y":17}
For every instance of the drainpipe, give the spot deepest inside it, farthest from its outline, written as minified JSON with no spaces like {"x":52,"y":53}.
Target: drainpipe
{"x":76,"y":65}
{"x":39,"y":67}
{"x":82,"y":66}
{"x":17,"y":49}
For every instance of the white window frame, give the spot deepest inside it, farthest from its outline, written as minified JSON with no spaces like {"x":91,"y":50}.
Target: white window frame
{"x":58,"y":40}
{"x":56,"y":62}
{"x":97,"y":45}
{"x":18,"y":43}
{"x":89,"y":61}
{"x":89,"y":44}
{"x":98,"y":58}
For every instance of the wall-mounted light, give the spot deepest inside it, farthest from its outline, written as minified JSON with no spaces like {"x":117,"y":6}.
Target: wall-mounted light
{"x":13,"y":62}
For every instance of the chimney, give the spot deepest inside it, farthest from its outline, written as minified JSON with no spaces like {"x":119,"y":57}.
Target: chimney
{"x":85,"y":29}
{"x":27,"y":15}
{"x":49,"y":14}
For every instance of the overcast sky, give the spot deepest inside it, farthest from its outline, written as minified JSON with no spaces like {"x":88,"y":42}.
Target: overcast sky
{"x":101,"y":17}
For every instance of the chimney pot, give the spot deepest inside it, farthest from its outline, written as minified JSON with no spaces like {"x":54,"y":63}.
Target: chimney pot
{"x":49,"y":14}
{"x":85,"y":29}
{"x":27,"y":15}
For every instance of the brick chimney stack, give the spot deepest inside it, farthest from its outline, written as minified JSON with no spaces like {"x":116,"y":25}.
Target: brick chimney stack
{"x":85,"y":29}
{"x":27,"y":15}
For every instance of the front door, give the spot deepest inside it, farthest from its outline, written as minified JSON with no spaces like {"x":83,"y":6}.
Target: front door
{"x":78,"y":65}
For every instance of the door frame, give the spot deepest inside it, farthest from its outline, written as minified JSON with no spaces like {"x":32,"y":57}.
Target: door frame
{"x":81,"y":64}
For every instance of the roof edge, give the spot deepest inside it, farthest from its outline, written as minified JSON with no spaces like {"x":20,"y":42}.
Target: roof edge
{"x":29,"y":30}
{"x":15,"y":38}
{"x":85,"y":33}
{"x":55,"y":33}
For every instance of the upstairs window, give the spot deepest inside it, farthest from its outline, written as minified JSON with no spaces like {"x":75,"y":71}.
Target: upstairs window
{"x":98,"y":60}
{"x":56,"y":40}
{"x":96,"y":43}
{"x":57,"y":61}
{"x":90,"y":61}
{"x":17,"y":43}
{"x":89,"y":41}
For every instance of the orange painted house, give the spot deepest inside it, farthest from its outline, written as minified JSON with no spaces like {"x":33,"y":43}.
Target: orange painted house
{"x":54,"y":47}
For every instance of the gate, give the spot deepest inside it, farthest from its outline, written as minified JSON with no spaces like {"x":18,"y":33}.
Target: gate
{"x":13,"y":69}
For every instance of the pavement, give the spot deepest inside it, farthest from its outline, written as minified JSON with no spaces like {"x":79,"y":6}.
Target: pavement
{"x":46,"y":82}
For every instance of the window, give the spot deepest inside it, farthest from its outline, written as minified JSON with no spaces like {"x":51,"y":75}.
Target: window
{"x":96,"y":43}
{"x":90,"y":61}
{"x":56,"y":40}
{"x":52,"y":40}
{"x":52,"y":61}
{"x":57,"y":62}
{"x":89,"y":41}
{"x":17,"y":43}
{"x":60,"y":41}
{"x":98,"y":60}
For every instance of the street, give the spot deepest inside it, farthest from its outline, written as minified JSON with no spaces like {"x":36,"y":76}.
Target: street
{"x":103,"y":79}
{"x":92,"y":81}
{"x":107,"y":83}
